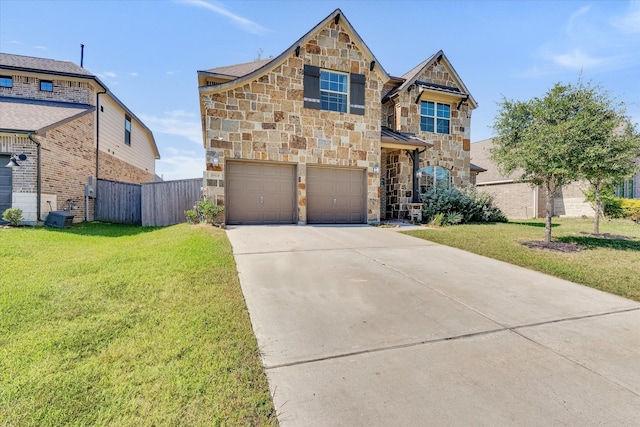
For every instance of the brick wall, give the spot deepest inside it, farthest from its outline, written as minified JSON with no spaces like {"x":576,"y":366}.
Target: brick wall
{"x":115,"y":169}
{"x":65,"y":90}
{"x":265,"y":119}
{"x":68,"y":159}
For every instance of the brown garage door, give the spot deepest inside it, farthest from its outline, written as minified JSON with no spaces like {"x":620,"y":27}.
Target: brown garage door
{"x":336,"y":196}
{"x":260,"y":193}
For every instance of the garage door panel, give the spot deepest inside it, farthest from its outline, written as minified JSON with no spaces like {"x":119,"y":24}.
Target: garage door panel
{"x":260,"y":193}
{"x":344,"y":186}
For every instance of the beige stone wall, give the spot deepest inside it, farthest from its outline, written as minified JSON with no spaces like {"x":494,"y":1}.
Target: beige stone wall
{"x":449,"y":151}
{"x":265,"y":120}
{"x":65,"y":90}
{"x":570,"y":201}
{"x":517,"y":200}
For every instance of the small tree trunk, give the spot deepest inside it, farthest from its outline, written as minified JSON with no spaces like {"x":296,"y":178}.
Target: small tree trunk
{"x":596,"y":223}
{"x":548,"y":212}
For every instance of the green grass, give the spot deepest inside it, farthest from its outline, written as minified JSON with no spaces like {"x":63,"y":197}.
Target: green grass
{"x":129,"y":326}
{"x":611,"y":265}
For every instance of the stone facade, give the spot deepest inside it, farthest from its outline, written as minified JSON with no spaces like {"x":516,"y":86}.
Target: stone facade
{"x":260,"y":113}
{"x":450,"y":151}
{"x":265,"y":119}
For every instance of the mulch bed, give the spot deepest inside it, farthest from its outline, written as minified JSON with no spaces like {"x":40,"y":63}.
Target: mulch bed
{"x":554,"y":246}
{"x":606,"y":236}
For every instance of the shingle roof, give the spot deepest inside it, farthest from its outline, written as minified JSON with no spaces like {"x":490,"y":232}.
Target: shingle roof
{"x":405,"y":138}
{"x":239,"y":70}
{"x":29,"y":115}
{"x":42,"y":64}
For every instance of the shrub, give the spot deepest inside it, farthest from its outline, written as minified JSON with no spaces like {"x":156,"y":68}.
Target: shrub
{"x":210,"y":212}
{"x":611,"y":205}
{"x":459,"y":206}
{"x":13,"y":216}
{"x":192,"y":216}
{"x":630,"y":208}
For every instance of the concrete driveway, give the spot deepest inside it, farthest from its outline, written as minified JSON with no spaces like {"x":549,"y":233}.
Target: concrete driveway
{"x":364,"y":326}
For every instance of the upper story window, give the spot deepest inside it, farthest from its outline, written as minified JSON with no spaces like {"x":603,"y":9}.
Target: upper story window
{"x":6,"y":81}
{"x":333,"y":91}
{"x":46,"y":86}
{"x":435,"y":117}
{"x":127,"y":130}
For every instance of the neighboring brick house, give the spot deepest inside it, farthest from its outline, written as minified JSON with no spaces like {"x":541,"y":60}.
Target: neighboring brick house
{"x":322,"y":134}
{"x":520,"y":199}
{"x":70,"y":127}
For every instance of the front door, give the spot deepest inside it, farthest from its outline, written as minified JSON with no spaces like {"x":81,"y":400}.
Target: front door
{"x":5,"y":185}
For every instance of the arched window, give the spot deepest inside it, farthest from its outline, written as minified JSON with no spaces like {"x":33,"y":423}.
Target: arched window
{"x":434,"y":177}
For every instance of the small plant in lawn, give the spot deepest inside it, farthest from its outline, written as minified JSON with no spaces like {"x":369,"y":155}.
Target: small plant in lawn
{"x":211,"y":213}
{"x":192,"y":216}
{"x":13,"y":216}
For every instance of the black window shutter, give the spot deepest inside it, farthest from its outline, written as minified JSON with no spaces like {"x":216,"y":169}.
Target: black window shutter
{"x":357,"y":94}
{"x":312,"y":87}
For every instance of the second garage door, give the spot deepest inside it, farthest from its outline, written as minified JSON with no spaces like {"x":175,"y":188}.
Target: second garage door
{"x":260,"y":193}
{"x":336,"y":196}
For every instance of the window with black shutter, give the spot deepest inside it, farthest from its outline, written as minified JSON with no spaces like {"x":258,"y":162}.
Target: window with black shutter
{"x":333,"y":91}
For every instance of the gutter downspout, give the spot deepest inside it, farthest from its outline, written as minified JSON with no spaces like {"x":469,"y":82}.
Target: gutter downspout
{"x":97,"y":157}
{"x":38,"y":179}
{"x":98,"y":129}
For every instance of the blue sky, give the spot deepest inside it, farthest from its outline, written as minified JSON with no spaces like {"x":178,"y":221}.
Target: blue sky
{"x":148,"y":52}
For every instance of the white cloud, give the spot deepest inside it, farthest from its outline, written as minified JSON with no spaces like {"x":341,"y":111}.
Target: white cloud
{"x":41,"y":47}
{"x":110,"y":74}
{"x":133,"y":74}
{"x":171,"y":73}
{"x":243,"y":23}
{"x":630,"y":22}
{"x":577,"y":60}
{"x":574,"y":16}
{"x":180,"y":164}
{"x":177,"y":122}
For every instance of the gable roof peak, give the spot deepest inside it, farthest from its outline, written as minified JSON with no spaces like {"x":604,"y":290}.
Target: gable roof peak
{"x":337,"y":16}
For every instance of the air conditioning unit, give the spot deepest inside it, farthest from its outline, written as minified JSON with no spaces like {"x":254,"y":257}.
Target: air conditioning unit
{"x":59,"y":219}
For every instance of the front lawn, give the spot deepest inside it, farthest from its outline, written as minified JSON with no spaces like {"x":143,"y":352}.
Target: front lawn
{"x":116,"y":325}
{"x":611,"y":264}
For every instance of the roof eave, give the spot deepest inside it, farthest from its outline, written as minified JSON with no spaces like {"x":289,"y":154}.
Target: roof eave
{"x":280,"y":58}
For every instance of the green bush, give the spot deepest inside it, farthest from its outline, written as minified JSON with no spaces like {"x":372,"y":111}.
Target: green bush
{"x":192,"y":216}
{"x":13,"y":216}
{"x":211,"y":212}
{"x":612,"y":207}
{"x":459,"y":206}
{"x":630,"y":208}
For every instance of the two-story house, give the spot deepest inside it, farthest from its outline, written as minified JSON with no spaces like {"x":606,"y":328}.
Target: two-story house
{"x":323,"y":134}
{"x":60,"y":125}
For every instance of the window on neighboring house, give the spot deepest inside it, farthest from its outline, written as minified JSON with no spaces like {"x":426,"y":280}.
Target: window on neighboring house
{"x":435,"y":117}
{"x":6,"y":81}
{"x":127,"y":130}
{"x":435,"y":177}
{"x":333,"y":91}
{"x":46,"y":86}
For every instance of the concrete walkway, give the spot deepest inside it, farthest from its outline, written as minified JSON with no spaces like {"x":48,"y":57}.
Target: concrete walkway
{"x":364,"y":326}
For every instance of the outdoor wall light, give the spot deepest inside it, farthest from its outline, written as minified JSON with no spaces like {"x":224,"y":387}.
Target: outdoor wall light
{"x":419,"y":174}
{"x":376,"y":169}
{"x":13,"y":162}
{"x":216,"y":160}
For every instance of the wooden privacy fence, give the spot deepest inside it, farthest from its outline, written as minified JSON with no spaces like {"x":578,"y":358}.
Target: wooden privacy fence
{"x":149,"y":204}
{"x":118,"y":202}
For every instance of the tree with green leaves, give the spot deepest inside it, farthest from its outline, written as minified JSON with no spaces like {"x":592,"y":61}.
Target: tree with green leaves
{"x":605,"y":145}
{"x":533,"y":139}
